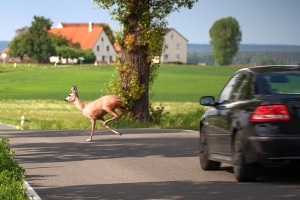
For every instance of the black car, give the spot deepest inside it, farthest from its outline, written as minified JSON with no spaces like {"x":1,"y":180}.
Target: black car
{"x":255,"y":121}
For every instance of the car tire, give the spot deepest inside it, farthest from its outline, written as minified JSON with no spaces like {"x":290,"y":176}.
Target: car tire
{"x":205,"y":163}
{"x":243,"y":172}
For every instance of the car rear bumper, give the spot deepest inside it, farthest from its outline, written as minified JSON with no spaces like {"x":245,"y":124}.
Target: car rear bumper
{"x":273,"y":148}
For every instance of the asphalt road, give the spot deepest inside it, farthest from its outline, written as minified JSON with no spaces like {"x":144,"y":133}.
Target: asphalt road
{"x":140,"y":164}
{"x":7,"y":127}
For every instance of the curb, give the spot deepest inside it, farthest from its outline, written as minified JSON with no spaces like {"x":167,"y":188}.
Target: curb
{"x":8,"y":127}
{"x":31,"y":194}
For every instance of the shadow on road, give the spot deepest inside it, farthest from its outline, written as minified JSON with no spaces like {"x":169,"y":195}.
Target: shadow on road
{"x":101,"y":148}
{"x":43,"y":148}
{"x":173,"y":190}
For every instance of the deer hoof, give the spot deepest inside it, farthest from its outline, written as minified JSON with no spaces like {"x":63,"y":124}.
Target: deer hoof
{"x":88,"y":140}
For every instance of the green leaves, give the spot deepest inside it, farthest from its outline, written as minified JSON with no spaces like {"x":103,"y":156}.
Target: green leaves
{"x":144,"y":23}
{"x":11,"y":174}
{"x":34,"y":41}
{"x":225,"y":37}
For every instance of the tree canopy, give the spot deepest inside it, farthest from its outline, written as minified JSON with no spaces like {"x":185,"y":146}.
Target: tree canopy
{"x":141,"y":39}
{"x":225,"y":38}
{"x":33,"y":41}
{"x":39,"y":44}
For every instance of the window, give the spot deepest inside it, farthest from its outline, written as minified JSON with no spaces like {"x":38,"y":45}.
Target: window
{"x":98,"y":48}
{"x":279,"y":82}
{"x":178,"y":46}
{"x":172,"y":36}
{"x":166,"y":56}
{"x":166,"y":46}
{"x":102,"y":39}
{"x":236,"y":89}
{"x":178,"y":56}
{"x":107,"y":48}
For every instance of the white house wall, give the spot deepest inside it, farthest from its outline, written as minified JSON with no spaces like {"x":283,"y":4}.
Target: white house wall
{"x":104,"y":55}
{"x":175,"y":48}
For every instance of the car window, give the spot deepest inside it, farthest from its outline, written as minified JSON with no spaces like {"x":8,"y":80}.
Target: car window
{"x":281,"y":82}
{"x":236,"y":89}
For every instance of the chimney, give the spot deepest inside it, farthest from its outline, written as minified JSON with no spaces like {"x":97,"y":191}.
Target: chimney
{"x":90,"y":26}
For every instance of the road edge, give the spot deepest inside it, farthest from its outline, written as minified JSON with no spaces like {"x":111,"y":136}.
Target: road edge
{"x":31,"y":194}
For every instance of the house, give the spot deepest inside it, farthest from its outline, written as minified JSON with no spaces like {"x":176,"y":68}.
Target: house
{"x":174,"y":48}
{"x":90,"y":36}
{"x":5,"y":58}
{"x":3,"y":54}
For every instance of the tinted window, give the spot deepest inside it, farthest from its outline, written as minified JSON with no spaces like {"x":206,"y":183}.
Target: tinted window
{"x":280,"y":83}
{"x":237,"y":88}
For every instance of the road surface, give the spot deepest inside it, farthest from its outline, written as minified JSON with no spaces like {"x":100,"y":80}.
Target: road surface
{"x":140,"y":164}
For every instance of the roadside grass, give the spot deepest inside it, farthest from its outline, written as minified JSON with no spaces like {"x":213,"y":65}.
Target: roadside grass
{"x":54,"y":114}
{"x":38,"y":93}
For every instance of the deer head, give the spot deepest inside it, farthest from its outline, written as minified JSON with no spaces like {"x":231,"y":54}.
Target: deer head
{"x":72,"y":96}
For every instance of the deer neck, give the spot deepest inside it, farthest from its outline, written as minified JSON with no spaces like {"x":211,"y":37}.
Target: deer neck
{"x":79,"y":104}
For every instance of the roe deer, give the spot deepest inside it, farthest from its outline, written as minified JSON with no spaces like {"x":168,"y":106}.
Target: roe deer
{"x":97,"y":109}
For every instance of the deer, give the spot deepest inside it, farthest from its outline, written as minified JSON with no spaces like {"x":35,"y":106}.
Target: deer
{"x":97,"y":109}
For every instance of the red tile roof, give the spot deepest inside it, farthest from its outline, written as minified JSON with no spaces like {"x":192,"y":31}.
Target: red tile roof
{"x":5,"y":50}
{"x":117,"y":47}
{"x":68,"y":25}
{"x":79,"y":33}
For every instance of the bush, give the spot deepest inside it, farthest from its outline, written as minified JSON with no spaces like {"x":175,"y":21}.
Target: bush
{"x":157,"y":114}
{"x":11,"y":174}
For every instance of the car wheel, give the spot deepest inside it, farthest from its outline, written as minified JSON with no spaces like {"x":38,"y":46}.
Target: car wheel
{"x":205,"y":163}
{"x":243,"y":172}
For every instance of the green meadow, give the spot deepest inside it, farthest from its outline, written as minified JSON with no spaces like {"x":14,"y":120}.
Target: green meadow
{"x":37,"y":92}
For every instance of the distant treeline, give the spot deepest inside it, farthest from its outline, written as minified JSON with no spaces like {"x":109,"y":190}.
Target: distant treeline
{"x":250,"y":57}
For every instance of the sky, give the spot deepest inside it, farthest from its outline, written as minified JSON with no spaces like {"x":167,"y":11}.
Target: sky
{"x":261,"y":21}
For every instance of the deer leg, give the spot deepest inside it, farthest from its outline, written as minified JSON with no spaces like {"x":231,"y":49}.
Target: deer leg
{"x":116,"y":116}
{"x":108,"y":127}
{"x":122,"y":112}
{"x":93,"y":121}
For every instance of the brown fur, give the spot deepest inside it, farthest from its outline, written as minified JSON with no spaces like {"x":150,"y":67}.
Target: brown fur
{"x":97,"y":109}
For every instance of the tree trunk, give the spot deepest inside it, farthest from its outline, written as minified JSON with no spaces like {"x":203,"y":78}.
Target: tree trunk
{"x":136,"y":54}
{"x":141,"y":106}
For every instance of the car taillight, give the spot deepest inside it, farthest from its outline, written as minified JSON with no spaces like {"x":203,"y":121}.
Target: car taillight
{"x":270,"y":113}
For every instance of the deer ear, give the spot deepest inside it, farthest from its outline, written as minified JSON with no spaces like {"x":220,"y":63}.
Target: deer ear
{"x":74,"y":88}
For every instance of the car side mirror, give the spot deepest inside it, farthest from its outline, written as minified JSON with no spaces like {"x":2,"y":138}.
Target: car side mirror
{"x":207,"y":101}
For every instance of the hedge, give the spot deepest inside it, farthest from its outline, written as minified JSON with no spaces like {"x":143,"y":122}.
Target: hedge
{"x":12,"y":175}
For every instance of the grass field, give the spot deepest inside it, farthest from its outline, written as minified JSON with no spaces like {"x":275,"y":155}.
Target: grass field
{"x":38,"y":93}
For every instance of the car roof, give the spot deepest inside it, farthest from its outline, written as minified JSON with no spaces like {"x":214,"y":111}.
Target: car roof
{"x":271,"y":68}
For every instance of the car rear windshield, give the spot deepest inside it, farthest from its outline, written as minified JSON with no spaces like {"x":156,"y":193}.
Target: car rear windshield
{"x":279,"y":82}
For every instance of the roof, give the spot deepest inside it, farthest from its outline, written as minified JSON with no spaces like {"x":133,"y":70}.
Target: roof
{"x":271,"y":68}
{"x":117,"y":47}
{"x":5,"y":50}
{"x":170,"y":29}
{"x":79,"y":33}
{"x":68,"y":25}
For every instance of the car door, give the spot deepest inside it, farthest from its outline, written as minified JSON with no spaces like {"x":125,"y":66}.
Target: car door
{"x":225,"y":113}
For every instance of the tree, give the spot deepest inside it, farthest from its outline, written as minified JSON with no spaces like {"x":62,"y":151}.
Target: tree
{"x":17,"y":47}
{"x":143,"y":27}
{"x":39,"y":44}
{"x":225,"y":38}
{"x":33,"y":41}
